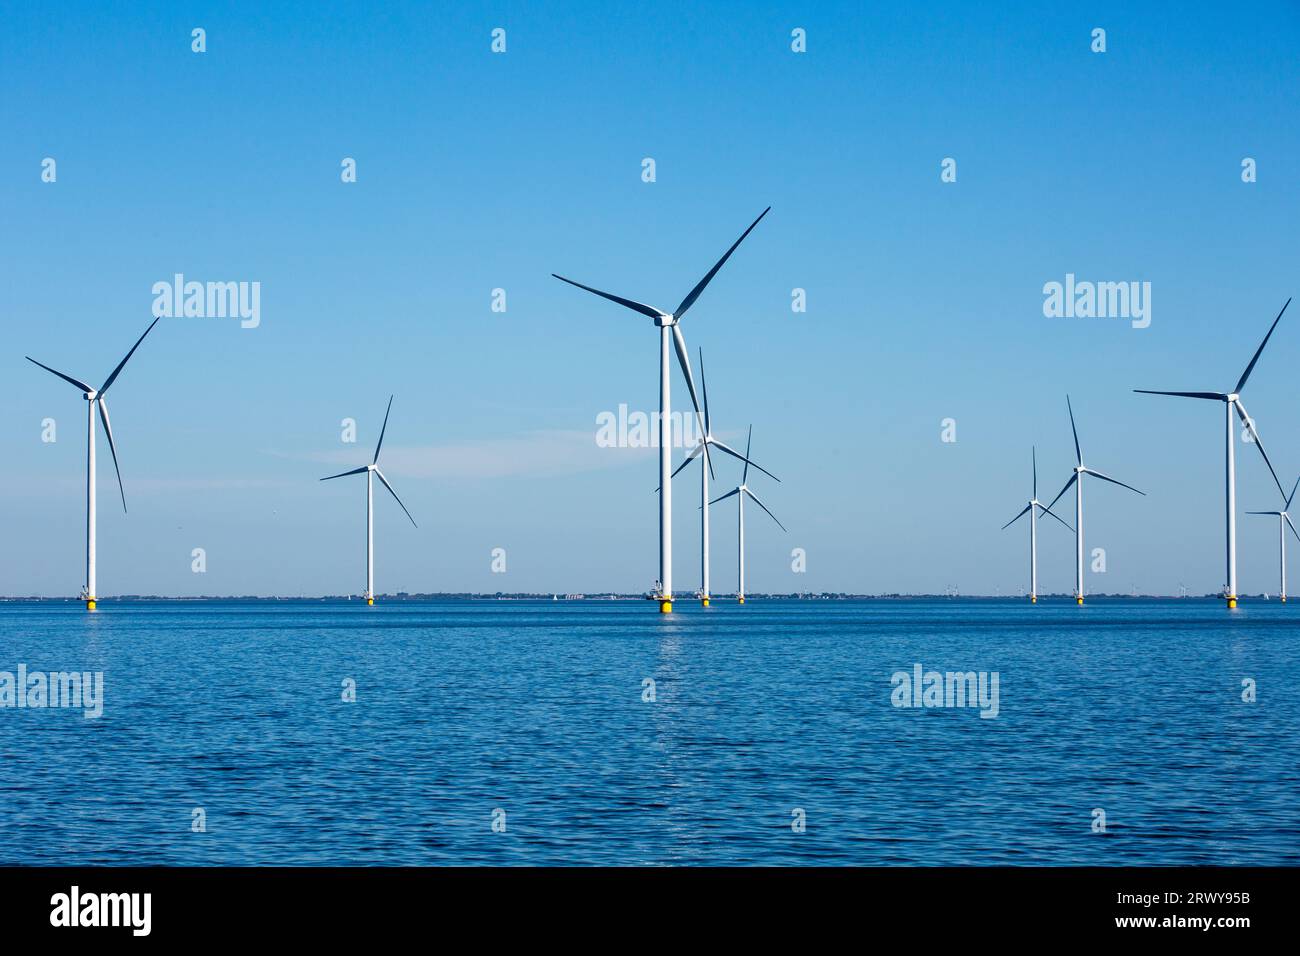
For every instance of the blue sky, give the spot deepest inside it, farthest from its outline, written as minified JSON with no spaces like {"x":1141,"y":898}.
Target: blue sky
{"x":479,"y":171}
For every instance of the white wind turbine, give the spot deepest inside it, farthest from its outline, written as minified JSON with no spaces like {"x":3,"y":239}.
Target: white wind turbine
{"x":742,"y":491}
{"x":95,"y":399}
{"x":669,"y":333}
{"x":371,"y":472}
{"x":1032,"y":510}
{"x":703,"y":447}
{"x":1231,"y":401}
{"x":1077,"y":480}
{"x":1283,"y":520}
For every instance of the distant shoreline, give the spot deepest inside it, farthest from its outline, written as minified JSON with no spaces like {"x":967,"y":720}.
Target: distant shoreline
{"x":451,"y":598}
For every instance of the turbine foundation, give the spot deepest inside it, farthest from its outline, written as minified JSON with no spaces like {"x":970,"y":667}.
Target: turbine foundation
{"x":665,"y":607}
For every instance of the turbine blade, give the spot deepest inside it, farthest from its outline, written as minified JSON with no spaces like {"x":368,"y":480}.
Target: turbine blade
{"x":1097,"y":474}
{"x":733,"y":491}
{"x":684,"y":360}
{"x":118,"y":371}
{"x":739,"y":457}
{"x":748,"y":441}
{"x":1077,"y":453}
{"x":1292,"y":495}
{"x":1057,"y":517}
{"x":695,"y":293}
{"x":1016,"y":518}
{"x":1251,"y":367}
{"x":1292,"y":527}
{"x":375,"y":460}
{"x":1212,"y":396}
{"x":1035,"y":457}
{"x":1073,"y":478}
{"x":695,"y":453}
{"x":1250,"y":426}
{"x":380,"y":475}
{"x":704,"y":389}
{"x":108,"y":430}
{"x":67,"y":378}
{"x":626,"y":303}
{"x":765,"y":508}
{"x":344,"y":474}
{"x":1275,"y":514}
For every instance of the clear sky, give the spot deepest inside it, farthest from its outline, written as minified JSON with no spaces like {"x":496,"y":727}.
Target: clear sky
{"x":478,"y":171}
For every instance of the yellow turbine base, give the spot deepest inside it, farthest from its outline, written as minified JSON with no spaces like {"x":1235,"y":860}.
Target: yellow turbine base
{"x":1232,"y":601}
{"x":1078,"y":600}
{"x":370,"y":602}
{"x":1033,"y":599}
{"x":740,"y":600}
{"x":90,"y":604}
{"x":1283,"y":598}
{"x":705,"y":602}
{"x":665,"y":607}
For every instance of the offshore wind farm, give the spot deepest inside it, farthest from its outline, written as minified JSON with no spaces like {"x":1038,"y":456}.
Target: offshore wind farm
{"x":828,"y":647}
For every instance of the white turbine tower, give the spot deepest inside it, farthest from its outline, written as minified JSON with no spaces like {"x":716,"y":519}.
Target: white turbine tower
{"x":371,"y":472}
{"x":95,"y":399}
{"x":1232,"y":400}
{"x":703,"y":447}
{"x":1032,"y":510}
{"x":742,"y":491}
{"x":669,"y":333}
{"x":1283,"y":520}
{"x":1077,"y":480}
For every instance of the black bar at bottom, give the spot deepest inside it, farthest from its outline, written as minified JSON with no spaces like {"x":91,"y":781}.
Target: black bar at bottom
{"x":212,"y":905}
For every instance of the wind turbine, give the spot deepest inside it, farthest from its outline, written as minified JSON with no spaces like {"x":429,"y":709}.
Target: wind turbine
{"x":371,"y":472}
{"x":1232,"y":400}
{"x":1032,"y":510}
{"x":669,"y":332}
{"x":742,"y":491}
{"x":1283,"y":520}
{"x":1077,"y":480}
{"x":703,"y":448}
{"x":95,"y":399}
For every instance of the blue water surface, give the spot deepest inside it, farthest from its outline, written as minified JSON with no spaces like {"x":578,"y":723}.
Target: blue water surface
{"x":536,"y":709}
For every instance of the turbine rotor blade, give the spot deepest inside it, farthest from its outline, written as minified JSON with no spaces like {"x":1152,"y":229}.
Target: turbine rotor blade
{"x":1251,"y":367}
{"x":684,"y":360}
{"x":695,"y":293}
{"x":108,"y":430}
{"x":704,"y":389}
{"x":1097,"y":474}
{"x":1016,"y":518}
{"x":117,"y":371}
{"x":626,"y":303}
{"x":1289,"y":499}
{"x":748,"y":441}
{"x":380,"y":475}
{"x":1057,"y":517}
{"x":1035,"y":458}
{"x":1250,"y":426}
{"x":695,"y":453}
{"x":344,"y":474}
{"x":380,"y":444}
{"x":765,"y":508}
{"x":1292,"y":527}
{"x":1077,"y":453}
{"x":739,"y":457}
{"x":1211,"y":396}
{"x":1073,"y":478}
{"x":67,"y":378}
{"x":733,"y":491}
